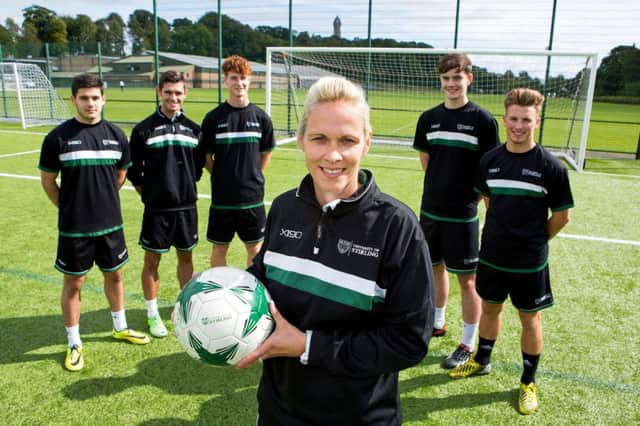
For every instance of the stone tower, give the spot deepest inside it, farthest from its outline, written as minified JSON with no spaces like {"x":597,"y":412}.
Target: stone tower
{"x":336,"y":27}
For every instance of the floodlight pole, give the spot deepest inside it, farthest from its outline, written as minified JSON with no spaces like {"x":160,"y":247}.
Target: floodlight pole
{"x":219,"y":53}
{"x":156,"y":60}
{"x":99,"y":74}
{"x":455,"y":34}
{"x":546,"y":73}
{"x":289,"y":86}
{"x":368,"y":77}
{"x":4,"y":95}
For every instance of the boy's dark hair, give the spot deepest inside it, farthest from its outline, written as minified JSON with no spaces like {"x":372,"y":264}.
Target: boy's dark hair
{"x":85,"y":81}
{"x":458,"y":61}
{"x":170,"y":76}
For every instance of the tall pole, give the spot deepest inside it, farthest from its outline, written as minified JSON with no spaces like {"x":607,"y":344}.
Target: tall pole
{"x":219,"y":52}
{"x":156,"y":58}
{"x":100,"y":72}
{"x":546,"y":73}
{"x":48,"y":56}
{"x":4,"y":95}
{"x":290,"y":87}
{"x":455,"y":34}
{"x":368,"y":76}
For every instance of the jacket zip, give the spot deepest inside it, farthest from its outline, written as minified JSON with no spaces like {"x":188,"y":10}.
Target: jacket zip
{"x":316,"y":246}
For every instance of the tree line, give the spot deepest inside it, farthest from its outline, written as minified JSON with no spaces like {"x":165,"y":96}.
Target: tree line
{"x":618,"y":73}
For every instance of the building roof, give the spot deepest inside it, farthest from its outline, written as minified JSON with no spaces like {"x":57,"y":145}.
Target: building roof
{"x":211,"y":63}
{"x":181,"y":68}
{"x":136,"y":59}
{"x":203,"y":61}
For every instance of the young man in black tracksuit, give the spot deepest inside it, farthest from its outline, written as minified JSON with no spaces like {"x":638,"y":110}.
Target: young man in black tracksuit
{"x":451,"y":138}
{"x":167,"y":163}
{"x":91,"y":156}
{"x":350,"y":277}
{"x":529,"y":197}
{"x":238,"y":139}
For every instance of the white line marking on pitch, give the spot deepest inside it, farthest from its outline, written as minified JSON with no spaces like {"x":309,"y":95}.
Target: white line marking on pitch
{"x":23,"y":132}
{"x":127,"y":187}
{"x":562,"y":235}
{"x":604,"y":240}
{"x":611,"y":175}
{"x":19,"y":176}
{"x":15,"y":154}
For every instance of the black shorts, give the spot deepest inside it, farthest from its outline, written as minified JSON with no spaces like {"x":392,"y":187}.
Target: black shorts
{"x":455,"y":243}
{"x":77,"y":255}
{"x":248,"y":223}
{"x":529,"y":291}
{"x":161,"y":230}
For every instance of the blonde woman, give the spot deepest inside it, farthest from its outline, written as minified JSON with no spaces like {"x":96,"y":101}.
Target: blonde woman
{"x":350,"y":275}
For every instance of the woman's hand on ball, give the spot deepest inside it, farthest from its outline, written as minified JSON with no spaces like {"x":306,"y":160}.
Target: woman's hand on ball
{"x":286,"y":340}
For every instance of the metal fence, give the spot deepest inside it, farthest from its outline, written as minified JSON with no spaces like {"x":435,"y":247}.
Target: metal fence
{"x":589,"y":25}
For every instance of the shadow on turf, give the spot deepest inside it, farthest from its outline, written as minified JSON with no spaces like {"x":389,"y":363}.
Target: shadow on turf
{"x":418,"y":409}
{"x":232,"y":391}
{"x":180,"y":375}
{"x":26,"y":334}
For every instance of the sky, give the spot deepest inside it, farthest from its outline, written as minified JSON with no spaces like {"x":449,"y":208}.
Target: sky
{"x":582,"y":25}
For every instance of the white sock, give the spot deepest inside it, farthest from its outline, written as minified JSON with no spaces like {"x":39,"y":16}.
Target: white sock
{"x":152,"y":308}
{"x":119,"y":320}
{"x":438,"y":321}
{"x":469,"y":335}
{"x":73,"y":336}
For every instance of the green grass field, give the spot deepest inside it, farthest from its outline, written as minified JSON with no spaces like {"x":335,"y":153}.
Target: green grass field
{"x":589,"y":372}
{"x":613,"y":128}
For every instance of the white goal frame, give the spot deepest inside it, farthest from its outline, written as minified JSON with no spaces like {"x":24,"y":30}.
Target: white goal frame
{"x":27,"y":96}
{"x":290,"y":70}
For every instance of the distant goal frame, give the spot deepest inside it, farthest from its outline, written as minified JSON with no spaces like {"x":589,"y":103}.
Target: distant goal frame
{"x":573,"y":153}
{"x":27,"y":96}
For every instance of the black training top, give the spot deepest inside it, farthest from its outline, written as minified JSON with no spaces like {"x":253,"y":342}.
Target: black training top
{"x":522,"y":188}
{"x":166,"y":161}
{"x":237,"y":137}
{"x":455,"y":139}
{"x":88,"y":158}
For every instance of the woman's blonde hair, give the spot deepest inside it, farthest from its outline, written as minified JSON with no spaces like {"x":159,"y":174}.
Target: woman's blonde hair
{"x":333,"y":89}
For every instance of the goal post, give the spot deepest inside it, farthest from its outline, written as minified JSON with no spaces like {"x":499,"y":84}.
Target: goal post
{"x":401,"y":83}
{"x":29,"y":97}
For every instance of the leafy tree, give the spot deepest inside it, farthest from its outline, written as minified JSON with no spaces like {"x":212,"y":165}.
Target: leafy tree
{"x":180,"y":23}
{"x":81,"y":33}
{"x":49,"y":27}
{"x":28,"y":43}
{"x":9,"y":34}
{"x":110,"y":33}
{"x":619,"y":73}
{"x":6,"y":39}
{"x":278,"y":32}
{"x":13,"y":28}
{"x":193,"y":40}
{"x":141,"y":30}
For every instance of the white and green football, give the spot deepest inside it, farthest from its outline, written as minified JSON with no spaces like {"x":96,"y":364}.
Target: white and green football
{"x":221,"y":315}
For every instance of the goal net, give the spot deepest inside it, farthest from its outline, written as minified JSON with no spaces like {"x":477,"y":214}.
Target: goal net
{"x":402,"y":83}
{"x":28,"y":96}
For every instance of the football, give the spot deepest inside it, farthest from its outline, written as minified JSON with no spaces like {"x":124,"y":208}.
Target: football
{"x":221,"y":315}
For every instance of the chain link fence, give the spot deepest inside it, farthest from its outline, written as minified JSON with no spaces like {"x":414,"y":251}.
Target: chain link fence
{"x":248,"y":27}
